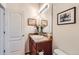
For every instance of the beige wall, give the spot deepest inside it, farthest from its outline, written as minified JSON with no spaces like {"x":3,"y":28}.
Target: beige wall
{"x":66,"y":37}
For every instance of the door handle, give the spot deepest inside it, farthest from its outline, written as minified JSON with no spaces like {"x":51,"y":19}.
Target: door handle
{"x":23,"y":35}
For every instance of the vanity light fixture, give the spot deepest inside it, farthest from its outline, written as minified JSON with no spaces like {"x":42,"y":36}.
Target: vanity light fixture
{"x":44,"y":8}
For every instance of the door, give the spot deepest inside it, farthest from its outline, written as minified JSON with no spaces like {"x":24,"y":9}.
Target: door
{"x":14,"y":41}
{"x":2,"y":16}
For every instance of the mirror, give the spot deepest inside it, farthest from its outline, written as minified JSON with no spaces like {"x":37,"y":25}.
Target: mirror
{"x":44,"y":11}
{"x":46,"y":14}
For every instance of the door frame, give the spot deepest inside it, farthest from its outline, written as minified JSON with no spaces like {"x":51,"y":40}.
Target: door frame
{"x":2,"y":7}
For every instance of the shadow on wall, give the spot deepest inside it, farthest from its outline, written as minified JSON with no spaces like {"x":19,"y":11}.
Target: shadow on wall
{"x":54,"y":44}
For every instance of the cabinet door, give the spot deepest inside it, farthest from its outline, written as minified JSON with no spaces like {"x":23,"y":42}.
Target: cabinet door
{"x":46,"y":47}
{"x":32,"y":46}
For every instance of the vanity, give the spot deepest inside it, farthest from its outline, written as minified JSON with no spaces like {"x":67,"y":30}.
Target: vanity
{"x":40,"y":43}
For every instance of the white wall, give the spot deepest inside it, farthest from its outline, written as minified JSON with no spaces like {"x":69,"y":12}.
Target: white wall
{"x":66,"y":37}
{"x":14,"y":7}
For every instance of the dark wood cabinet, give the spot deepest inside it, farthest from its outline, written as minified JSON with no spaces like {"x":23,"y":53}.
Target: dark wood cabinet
{"x":36,"y":47}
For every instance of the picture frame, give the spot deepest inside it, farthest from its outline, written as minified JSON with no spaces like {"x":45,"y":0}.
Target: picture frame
{"x":44,"y":22}
{"x":67,"y":17}
{"x":31,"y":22}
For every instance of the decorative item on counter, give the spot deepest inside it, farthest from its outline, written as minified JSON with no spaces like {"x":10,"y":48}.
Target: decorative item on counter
{"x":49,"y":35}
{"x":44,"y":23}
{"x":39,"y":29}
{"x":41,"y":26}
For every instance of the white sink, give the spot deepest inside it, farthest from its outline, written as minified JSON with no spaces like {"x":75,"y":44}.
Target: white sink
{"x":38,"y":38}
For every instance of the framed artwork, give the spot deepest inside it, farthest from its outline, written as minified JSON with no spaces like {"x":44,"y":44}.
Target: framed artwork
{"x":67,"y":17}
{"x":31,"y":22}
{"x":44,"y":22}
